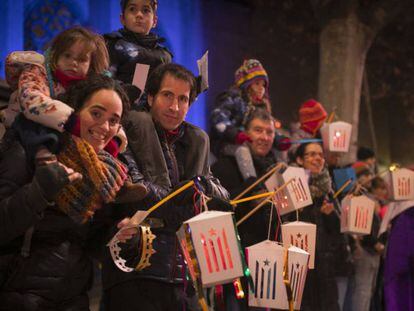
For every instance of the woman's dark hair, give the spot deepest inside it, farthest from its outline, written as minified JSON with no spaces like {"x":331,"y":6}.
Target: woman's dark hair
{"x":80,"y":92}
{"x":300,"y":152}
{"x":378,"y":183}
{"x":177,"y":71}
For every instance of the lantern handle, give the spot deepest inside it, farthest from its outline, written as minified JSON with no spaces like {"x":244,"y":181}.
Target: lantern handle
{"x":263,"y":202}
{"x":331,"y":117}
{"x":259,"y":180}
{"x":253,"y":197}
{"x":286,"y":280}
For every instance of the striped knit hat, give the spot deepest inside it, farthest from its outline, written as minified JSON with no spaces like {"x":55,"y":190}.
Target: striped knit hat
{"x":251,"y":71}
{"x":311,"y":116}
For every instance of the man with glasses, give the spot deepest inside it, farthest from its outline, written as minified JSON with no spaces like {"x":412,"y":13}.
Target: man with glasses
{"x":170,"y":152}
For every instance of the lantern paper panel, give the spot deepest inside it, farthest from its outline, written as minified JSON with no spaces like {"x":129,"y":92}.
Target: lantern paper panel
{"x":266,"y":264}
{"x":336,"y":136}
{"x":401,"y":182}
{"x":215,"y":244}
{"x":295,"y":195}
{"x":357,"y":214}
{"x":302,"y":235}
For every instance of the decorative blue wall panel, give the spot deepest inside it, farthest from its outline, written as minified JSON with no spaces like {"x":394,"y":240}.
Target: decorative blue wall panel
{"x":179,"y":21}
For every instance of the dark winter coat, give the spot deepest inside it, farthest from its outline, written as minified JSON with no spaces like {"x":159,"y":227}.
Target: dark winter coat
{"x":57,"y":273}
{"x":254,"y":229}
{"x":126,"y":49}
{"x":186,"y":156}
{"x":227,"y":117}
{"x":321,"y":292}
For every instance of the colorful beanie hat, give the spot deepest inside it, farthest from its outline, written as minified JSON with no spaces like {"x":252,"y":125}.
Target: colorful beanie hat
{"x":311,"y":116}
{"x":251,"y":71}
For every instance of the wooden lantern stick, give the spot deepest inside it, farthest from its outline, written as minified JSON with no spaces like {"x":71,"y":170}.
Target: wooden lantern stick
{"x":253,"y":197}
{"x":171,"y":195}
{"x":267,"y":174}
{"x":331,"y":117}
{"x":263,"y":202}
{"x":342,"y":188}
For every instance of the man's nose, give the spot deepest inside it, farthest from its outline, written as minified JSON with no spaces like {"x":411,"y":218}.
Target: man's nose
{"x":174,"y":104}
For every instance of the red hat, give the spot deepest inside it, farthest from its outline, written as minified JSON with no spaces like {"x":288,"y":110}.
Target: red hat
{"x":311,"y":116}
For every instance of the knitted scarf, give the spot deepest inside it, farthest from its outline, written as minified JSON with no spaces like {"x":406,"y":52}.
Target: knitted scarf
{"x":320,"y":184}
{"x":103,"y":176}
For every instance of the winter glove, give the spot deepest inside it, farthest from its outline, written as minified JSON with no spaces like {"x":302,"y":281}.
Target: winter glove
{"x":242,"y":137}
{"x":51,"y":178}
{"x":202,"y":184}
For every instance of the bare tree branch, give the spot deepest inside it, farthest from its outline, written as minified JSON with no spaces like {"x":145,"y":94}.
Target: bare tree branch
{"x":383,"y":11}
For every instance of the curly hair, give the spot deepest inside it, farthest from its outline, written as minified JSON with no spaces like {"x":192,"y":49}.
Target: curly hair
{"x":80,"y":92}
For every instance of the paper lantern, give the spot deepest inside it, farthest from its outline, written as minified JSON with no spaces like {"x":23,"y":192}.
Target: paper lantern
{"x":401,"y":182}
{"x":296,"y":195}
{"x":357,"y":214}
{"x":266,"y":263}
{"x":336,"y":136}
{"x":211,"y":248}
{"x":302,"y":235}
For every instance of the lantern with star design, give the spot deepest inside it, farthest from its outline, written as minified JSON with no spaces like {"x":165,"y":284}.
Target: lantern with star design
{"x":302,"y":235}
{"x":357,"y":214}
{"x":211,"y":248}
{"x":401,"y":184}
{"x":266,"y":263}
{"x":336,"y":136}
{"x":296,"y":195}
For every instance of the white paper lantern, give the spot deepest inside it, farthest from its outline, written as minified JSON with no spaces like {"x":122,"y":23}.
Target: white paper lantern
{"x":212,"y":236}
{"x":302,"y":235}
{"x":296,"y":195}
{"x":266,"y":263}
{"x":357,"y":214}
{"x":401,"y":182}
{"x":336,"y":136}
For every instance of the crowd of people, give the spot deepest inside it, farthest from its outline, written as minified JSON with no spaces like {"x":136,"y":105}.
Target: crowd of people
{"x":84,"y":150}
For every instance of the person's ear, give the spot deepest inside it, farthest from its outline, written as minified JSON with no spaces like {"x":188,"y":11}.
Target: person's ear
{"x":299,"y":161}
{"x":122,"y":19}
{"x":154,"y":24}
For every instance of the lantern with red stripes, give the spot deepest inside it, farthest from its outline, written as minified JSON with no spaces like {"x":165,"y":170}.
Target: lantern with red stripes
{"x":266,"y":264}
{"x":401,"y":182}
{"x":211,"y":248}
{"x":336,"y":136}
{"x":296,"y":195}
{"x":301,"y":234}
{"x":357,"y":214}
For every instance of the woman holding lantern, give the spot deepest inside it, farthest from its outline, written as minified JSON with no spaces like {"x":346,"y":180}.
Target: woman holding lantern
{"x":321,"y":291}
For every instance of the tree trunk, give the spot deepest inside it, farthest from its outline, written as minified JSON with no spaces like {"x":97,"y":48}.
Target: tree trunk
{"x":344,"y":43}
